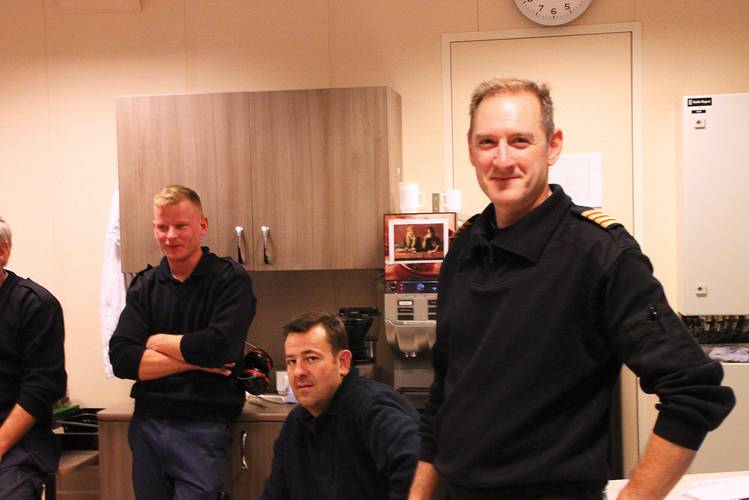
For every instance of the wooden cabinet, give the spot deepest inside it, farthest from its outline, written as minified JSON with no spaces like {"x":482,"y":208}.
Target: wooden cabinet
{"x":317,"y":167}
{"x":196,"y":140}
{"x":115,"y":459}
{"x":248,"y":464}
{"x":251,"y":457}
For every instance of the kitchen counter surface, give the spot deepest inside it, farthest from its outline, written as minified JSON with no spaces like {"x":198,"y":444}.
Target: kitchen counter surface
{"x":686,"y":482}
{"x":268,"y":412}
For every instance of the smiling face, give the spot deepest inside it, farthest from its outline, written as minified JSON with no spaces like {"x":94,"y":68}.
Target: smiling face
{"x":511,"y":155}
{"x":178,"y":229}
{"x":315,"y":371}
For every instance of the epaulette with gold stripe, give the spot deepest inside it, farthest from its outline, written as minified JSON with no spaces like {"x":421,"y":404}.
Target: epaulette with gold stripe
{"x":600,"y":218}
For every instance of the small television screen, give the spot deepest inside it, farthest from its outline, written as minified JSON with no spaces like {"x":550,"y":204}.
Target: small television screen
{"x":416,"y":244}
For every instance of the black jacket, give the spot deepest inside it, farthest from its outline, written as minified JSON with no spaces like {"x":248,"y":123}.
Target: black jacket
{"x":533,"y":324}
{"x":213,"y":309}
{"x":32,"y":356}
{"x":363,"y":446}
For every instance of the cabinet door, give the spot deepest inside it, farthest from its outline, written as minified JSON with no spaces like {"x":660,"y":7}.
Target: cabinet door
{"x":200,"y":141}
{"x":251,"y":457}
{"x":320,"y":166}
{"x":115,"y":461}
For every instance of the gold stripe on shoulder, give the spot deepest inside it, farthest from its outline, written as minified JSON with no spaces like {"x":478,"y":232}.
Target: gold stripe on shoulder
{"x":600,"y":218}
{"x":590,"y":212}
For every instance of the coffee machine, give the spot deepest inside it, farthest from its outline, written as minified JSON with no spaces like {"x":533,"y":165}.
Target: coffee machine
{"x":357,"y":321}
{"x":415,"y":245}
{"x":410,"y":329}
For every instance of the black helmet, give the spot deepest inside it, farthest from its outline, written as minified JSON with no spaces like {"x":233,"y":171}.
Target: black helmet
{"x":255,"y":370}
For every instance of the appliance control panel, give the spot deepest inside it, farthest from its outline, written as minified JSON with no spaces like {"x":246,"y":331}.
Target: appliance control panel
{"x":426,"y":286}
{"x":404,"y":308}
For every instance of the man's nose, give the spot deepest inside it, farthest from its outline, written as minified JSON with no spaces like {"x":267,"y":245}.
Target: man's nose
{"x":299,"y":369}
{"x":171,"y":232}
{"x":503,"y":156}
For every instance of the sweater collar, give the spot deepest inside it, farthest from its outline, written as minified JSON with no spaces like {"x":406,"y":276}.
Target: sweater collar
{"x":334,"y":408}
{"x":526,"y":238}
{"x":8,"y":285}
{"x":203,"y":267}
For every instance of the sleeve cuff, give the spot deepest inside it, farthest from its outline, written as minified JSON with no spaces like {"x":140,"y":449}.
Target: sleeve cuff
{"x":128,"y":363}
{"x":37,"y":409}
{"x":678,"y":431}
{"x":428,"y":451}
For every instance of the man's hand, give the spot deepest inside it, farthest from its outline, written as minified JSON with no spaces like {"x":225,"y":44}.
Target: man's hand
{"x":16,"y":424}
{"x":154,"y":365}
{"x":659,"y":470}
{"x":225,"y":371}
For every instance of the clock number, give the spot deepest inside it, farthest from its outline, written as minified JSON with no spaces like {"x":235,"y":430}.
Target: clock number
{"x":554,"y":11}
{"x":567,"y":6}
{"x":540,"y":7}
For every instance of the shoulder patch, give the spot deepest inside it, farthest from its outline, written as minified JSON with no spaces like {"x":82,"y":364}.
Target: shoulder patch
{"x":600,"y":218}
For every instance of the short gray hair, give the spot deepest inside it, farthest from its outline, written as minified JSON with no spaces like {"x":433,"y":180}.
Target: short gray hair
{"x":516,"y":86}
{"x":5,"y":235}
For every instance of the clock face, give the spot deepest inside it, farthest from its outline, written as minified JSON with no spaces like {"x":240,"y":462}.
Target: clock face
{"x":552,"y":12}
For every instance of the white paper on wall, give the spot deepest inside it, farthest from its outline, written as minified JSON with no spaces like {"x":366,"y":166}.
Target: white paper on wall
{"x":579,"y":174}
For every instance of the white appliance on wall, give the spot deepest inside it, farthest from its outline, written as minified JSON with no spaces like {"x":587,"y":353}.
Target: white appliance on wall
{"x":713,"y":291}
{"x":714,"y":239}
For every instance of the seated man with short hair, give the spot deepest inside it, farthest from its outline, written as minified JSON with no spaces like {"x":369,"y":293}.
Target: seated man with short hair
{"x":350,"y":437}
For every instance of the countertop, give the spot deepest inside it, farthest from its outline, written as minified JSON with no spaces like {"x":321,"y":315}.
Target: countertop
{"x":270,"y":412}
{"x":686,"y":482}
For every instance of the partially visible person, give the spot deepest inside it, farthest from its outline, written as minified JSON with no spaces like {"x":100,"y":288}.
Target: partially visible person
{"x":182,"y":330}
{"x":540,"y":303}
{"x":350,"y":437}
{"x":432,"y":243}
{"x":32,"y":378}
{"x":411,"y":241}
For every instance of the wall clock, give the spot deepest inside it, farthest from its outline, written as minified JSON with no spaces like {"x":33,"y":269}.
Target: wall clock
{"x":552,"y":12}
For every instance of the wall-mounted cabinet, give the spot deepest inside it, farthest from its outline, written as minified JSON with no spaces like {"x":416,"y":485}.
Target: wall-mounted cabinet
{"x":316,"y":167}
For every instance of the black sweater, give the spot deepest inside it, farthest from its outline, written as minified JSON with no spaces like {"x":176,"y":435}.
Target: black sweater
{"x":363,"y":446}
{"x":32,"y":357}
{"x":533,"y":324}
{"x":213,"y":309}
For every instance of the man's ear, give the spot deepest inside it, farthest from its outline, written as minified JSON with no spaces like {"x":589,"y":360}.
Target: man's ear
{"x":4,"y":254}
{"x":204,"y":225}
{"x":555,"y":146}
{"x":344,"y":361}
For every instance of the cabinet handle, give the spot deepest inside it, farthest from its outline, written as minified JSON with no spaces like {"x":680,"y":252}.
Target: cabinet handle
{"x":239,"y":230}
{"x":242,"y":450}
{"x":265,"y":230}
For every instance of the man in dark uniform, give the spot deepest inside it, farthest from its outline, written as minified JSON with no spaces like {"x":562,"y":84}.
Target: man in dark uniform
{"x":182,"y":330}
{"x":32,"y":378}
{"x":350,"y":437}
{"x":540,"y":303}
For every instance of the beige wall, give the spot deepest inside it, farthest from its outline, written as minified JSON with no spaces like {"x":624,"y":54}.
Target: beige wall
{"x":60,"y":72}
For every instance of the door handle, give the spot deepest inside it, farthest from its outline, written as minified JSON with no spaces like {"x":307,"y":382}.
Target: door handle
{"x":265,"y":230}
{"x":239,"y":230}
{"x":243,"y":450}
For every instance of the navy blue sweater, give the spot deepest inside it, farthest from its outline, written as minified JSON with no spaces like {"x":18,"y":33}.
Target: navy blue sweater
{"x":213,"y":309}
{"x":32,"y":358}
{"x":363,"y":446}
